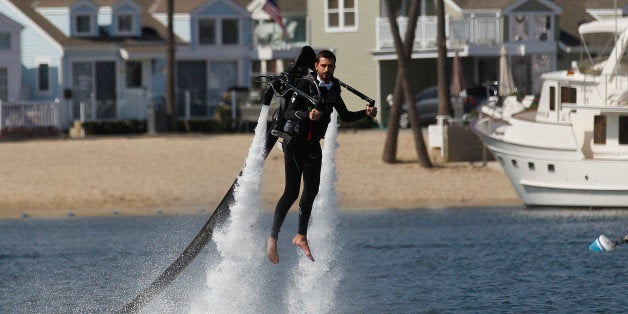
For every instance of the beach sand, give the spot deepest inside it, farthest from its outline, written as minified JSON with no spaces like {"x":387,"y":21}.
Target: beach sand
{"x":175,"y":174}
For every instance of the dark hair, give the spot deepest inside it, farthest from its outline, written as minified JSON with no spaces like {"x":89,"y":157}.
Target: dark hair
{"x":325,"y":54}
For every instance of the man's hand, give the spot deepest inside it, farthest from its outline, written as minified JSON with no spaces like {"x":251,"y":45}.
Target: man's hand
{"x":315,"y":115}
{"x":371,"y":111}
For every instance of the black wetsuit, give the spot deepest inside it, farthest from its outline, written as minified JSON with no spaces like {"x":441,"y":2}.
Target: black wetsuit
{"x":302,"y":153}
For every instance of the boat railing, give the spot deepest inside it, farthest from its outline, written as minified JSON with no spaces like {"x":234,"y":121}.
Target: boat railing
{"x":611,"y":89}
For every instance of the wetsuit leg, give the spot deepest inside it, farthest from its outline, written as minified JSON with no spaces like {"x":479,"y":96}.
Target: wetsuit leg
{"x":291,"y":189}
{"x":311,"y":183}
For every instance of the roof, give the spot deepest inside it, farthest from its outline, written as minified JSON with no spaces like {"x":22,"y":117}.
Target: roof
{"x":153,"y":33}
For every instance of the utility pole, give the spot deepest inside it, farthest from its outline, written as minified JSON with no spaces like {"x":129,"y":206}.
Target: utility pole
{"x":170,"y":96}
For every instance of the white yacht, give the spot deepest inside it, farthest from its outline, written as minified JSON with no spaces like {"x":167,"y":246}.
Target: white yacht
{"x":572,"y":150}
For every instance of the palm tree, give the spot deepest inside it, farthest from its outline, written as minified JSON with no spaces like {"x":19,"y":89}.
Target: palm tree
{"x":170,"y":97}
{"x":402,"y":88}
{"x":444,"y":105}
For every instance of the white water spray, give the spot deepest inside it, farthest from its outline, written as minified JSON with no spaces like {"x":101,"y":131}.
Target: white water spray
{"x":316,"y":282}
{"x":234,"y":283}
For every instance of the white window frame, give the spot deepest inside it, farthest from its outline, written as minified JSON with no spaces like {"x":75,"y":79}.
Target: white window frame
{"x":39,"y":89}
{"x":76,"y":25}
{"x":341,"y":22}
{"x":218,"y":21}
{"x":4,"y":87}
{"x":10,"y":37}
{"x":132,"y":21}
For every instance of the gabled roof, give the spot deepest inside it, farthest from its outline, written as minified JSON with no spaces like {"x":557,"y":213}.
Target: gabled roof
{"x":483,"y":4}
{"x":187,"y":6}
{"x":153,"y":32}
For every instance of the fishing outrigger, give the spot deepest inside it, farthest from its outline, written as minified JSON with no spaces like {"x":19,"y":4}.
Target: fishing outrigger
{"x":282,"y":86}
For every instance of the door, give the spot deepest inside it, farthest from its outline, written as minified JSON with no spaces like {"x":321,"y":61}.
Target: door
{"x":191,"y":88}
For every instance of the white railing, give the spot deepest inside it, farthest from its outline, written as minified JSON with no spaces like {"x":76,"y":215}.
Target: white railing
{"x":479,"y":31}
{"x":29,"y":115}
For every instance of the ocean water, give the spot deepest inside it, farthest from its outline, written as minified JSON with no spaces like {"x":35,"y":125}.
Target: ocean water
{"x":446,"y":260}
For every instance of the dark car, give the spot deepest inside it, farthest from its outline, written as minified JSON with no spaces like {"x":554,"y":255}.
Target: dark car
{"x":477,"y":95}
{"x":426,"y":103}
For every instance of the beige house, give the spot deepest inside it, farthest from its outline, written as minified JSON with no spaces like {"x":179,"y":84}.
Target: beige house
{"x":539,"y":35}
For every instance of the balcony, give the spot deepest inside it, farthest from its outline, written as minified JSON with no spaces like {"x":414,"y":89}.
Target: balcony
{"x":268,"y":34}
{"x":460,"y":32}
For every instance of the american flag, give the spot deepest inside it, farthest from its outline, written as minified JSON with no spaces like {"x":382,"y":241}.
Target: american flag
{"x":274,"y":11}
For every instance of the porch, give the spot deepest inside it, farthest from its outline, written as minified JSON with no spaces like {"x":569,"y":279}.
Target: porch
{"x":23,"y":119}
{"x":483,"y":31}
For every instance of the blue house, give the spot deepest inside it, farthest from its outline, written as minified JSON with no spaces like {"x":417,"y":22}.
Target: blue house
{"x":10,"y":66}
{"x":106,"y":59}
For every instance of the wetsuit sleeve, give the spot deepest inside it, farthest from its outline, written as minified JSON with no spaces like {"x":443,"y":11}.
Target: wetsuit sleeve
{"x":345,"y":114}
{"x":298,"y":109}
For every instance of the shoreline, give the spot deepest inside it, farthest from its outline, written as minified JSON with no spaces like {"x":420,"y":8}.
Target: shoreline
{"x":182,"y":174}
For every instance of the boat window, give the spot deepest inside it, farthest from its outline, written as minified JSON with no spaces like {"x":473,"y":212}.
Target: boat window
{"x":599,"y":130}
{"x":550,"y":168}
{"x":531,"y":165}
{"x":568,"y":95}
{"x":552,"y":98}
{"x":514,"y":163}
{"x":623,"y":129}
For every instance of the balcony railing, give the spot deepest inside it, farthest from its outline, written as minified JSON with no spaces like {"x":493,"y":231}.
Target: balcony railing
{"x":478,"y":31}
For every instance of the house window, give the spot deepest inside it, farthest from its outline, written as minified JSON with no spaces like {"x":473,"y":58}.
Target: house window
{"x":341,"y":15}
{"x":520,"y":28}
{"x":542,"y":28}
{"x":5,"y":41}
{"x":43,"y":78}
{"x":599,"y":130}
{"x":623,"y":130}
{"x":125,"y":23}
{"x":83,"y":24}
{"x":207,"y":31}
{"x":4,"y":84}
{"x":230,"y":31}
{"x":568,"y":95}
{"x":134,"y":74}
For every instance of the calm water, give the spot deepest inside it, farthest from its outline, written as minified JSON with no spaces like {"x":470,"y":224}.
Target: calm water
{"x":441,"y":261}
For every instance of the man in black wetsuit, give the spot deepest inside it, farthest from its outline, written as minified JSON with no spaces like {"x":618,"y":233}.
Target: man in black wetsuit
{"x":307,"y":124}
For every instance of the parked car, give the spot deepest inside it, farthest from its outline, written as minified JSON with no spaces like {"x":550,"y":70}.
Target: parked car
{"x":477,"y":95}
{"x":426,"y":103}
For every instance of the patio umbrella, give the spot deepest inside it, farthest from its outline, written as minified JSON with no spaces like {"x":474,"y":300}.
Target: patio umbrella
{"x":506,"y":84}
{"x":458,"y":82}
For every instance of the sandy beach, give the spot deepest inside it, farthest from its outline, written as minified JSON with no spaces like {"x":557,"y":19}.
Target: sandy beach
{"x":172,"y":174}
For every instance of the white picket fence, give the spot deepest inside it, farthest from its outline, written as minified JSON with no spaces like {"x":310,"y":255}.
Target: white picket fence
{"x":15,"y":115}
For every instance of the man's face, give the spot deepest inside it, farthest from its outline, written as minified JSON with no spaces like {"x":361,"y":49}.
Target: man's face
{"x":325,"y":68}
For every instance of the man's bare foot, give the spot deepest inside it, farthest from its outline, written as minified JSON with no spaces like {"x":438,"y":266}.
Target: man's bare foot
{"x":301,"y":241}
{"x":271,"y":250}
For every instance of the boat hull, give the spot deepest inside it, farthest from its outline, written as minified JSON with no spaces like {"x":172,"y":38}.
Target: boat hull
{"x":544,"y":176}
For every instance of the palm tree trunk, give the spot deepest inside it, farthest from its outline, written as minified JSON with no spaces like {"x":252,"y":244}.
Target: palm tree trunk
{"x":444,"y":105}
{"x":404,"y":51}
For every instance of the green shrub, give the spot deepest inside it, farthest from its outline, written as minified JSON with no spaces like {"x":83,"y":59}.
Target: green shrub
{"x":115,"y":127}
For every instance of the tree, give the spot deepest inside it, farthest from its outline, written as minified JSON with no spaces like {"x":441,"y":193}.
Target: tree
{"x":402,"y":89}
{"x":170,"y":97}
{"x":444,"y":105}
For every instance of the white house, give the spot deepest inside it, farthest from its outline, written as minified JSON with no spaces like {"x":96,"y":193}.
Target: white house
{"x":10,"y":65}
{"x":107,"y":58}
